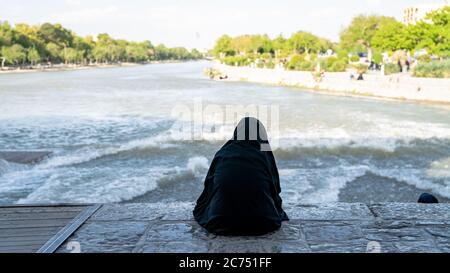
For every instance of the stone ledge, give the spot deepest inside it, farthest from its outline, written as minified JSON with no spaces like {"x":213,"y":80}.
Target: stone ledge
{"x":338,"y":227}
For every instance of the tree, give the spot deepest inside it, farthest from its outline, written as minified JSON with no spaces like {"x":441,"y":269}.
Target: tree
{"x":361,"y":31}
{"x":162,"y":52}
{"x":84,"y":47}
{"x":6,"y":34}
{"x":260,"y":44}
{"x":304,"y":42}
{"x":56,"y":34}
{"x":392,"y":36}
{"x":280,"y":47}
{"x":138,"y":52}
{"x":54,"y":52}
{"x":179,"y":53}
{"x":14,"y":55}
{"x":437,"y":33}
{"x":54,"y":43}
{"x":33,"y":56}
{"x":223,"y":46}
{"x":195,"y":54}
{"x":100,"y":54}
{"x":73,"y":56}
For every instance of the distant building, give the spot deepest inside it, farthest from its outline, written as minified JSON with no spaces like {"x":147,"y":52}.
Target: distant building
{"x":414,"y":14}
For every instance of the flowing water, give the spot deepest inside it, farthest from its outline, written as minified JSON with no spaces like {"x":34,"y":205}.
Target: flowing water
{"x":114,"y":138}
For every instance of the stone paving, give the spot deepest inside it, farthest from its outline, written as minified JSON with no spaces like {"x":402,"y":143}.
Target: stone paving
{"x":339,"y":227}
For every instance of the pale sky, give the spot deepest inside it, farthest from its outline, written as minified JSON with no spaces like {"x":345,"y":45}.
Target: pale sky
{"x":198,"y":23}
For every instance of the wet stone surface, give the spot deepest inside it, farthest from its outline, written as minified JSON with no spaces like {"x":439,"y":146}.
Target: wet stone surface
{"x":341,"y":228}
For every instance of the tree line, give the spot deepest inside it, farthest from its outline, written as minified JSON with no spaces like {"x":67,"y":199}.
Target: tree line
{"x":25,"y":44}
{"x":367,"y":35}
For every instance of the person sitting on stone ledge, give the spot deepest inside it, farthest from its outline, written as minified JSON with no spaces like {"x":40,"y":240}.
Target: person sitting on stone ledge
{"x":242,"y":187}
{"x":427,"y":198}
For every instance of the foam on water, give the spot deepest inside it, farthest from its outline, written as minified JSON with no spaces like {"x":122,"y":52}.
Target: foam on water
{"x":319,"y":185}
{"x":417,"y":178}
{"x":439,"y":168}
{"x":7,"y":167}
{"x":382,"y":136}
{"x":88,"y":154}
{"x":198,"y":165}
{"x":69,"y":184}
{"x":68,"y":187}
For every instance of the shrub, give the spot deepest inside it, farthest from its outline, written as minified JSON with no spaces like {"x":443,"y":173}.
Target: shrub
{"x":306,"y":66}
{"x":333,"y":64}
{"x":311,"y":57}
{"x":425,"y":58}
{"x":354,"y":58}
{"x":237,"y":60}
{"x":391,"y":68}
{"x":342,"y":54}
{"x":361,"y":68}
{"x":434,"y":69}
{"x":377,"y":58}
{"x":295,"y":61}
{"x":299,"y":62}
{"x":270,"y":64}
{"x":338,"y":66}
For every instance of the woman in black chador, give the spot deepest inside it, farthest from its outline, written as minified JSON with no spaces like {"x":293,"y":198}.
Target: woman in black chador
{"x":242,"y":187}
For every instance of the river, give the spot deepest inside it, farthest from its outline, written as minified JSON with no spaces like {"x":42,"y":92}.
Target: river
{"x":116,"y":137}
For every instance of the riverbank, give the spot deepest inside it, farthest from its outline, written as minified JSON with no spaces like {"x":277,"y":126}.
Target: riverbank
{"x":70,"y":67}
{"x":396,"y":86}
{"x":63,"y":67}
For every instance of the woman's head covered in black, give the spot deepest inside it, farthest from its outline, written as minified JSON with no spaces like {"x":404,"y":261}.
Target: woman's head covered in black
{"x":252,"y":130}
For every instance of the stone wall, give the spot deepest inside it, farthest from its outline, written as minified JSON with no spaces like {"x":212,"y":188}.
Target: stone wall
{"x":398,"y":86}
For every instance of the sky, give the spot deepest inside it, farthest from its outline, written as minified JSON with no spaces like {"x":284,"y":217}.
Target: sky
{"x":198,"y":23}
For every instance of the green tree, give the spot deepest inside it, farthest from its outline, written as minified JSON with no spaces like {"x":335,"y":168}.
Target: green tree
{"x":14,"y":54}
{"x":6,"y":34}
{"x":392,"y":36}
{"x":435,"y":36}
{"x":361,"y":31}
{"x":54,"y":52}
{"x":195,"y":54}
{"x":304,"y":42}
{"x":33,"y":56}
{"x":73,"y":56}
{"x":280,"y":47}
{"x":56,"y":34}
{"x":260,"y":44}
{"x":138,"y":52}
{"x":179,"y":53}
{"x":84,"y":46}
{"x":162,"y":52}
{"x":223,"y":46}
{"x":54,"y":43}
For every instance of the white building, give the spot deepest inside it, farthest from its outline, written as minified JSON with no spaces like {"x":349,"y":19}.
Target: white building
{"x":414,"y":14}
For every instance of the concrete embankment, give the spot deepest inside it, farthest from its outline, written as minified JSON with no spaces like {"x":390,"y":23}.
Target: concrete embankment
{"x":396,"y":86}
{"x":336,"y":227}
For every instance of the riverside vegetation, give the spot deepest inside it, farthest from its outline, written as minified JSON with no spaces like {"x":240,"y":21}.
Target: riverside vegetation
{"x":379,"y":39}
{"x":24,"y":45}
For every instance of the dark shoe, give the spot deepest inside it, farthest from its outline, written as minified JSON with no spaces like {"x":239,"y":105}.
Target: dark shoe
{"x":427,"y":198}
